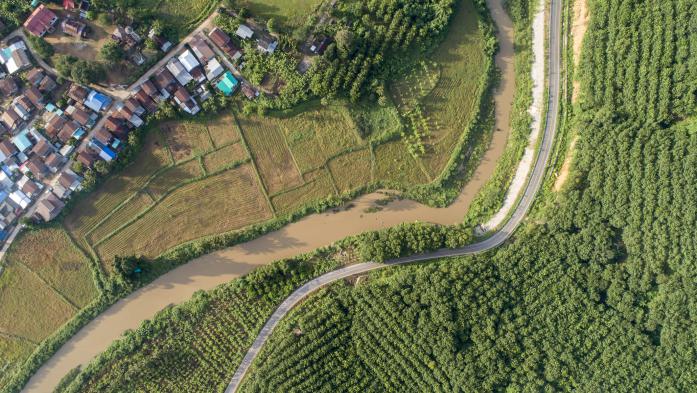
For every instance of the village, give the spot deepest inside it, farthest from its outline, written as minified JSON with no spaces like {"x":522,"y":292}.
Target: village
{"x":53,"y":130}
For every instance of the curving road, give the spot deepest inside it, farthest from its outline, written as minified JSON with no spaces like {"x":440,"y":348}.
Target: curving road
{"x":497,"y":239}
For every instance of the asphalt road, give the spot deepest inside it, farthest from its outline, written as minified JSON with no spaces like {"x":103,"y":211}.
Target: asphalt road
{"x":494,"y":241}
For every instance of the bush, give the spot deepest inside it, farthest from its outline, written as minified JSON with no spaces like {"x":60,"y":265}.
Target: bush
{"x":41,"y":46}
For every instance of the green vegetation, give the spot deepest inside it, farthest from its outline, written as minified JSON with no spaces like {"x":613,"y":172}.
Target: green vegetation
{"x":289,"y":14}
{"x":182,"y":348}
{"x":13,"y":13}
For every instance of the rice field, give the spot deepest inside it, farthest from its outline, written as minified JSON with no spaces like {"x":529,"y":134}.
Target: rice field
{"x":125,"y":213}
{"x":13,"y":352}
{"x":318,"y":186}
{"x":173,"y":177}
{"x":57,"y":261}
{"x":265,"y":138}
{"x":223,"y":158}
{"x":186,"y":139}
{"x":223,"y":130}
{"x":352,"y":170}
{"x":393,"y":163}
{"x":220,"y":203}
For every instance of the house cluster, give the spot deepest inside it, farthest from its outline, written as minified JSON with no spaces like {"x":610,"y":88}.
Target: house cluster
{"x":43,"y":21}
{"x":265,"y":42}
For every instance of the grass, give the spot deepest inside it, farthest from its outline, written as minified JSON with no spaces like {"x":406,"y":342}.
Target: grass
{"x":190,"y":212}
{"x":221,"y":130}
{"x":374,"y":122}
{"x":318,"y":134}
{"x":273,"y":159}
{"x":318,"y":186}
{"x":57,"y":261}
{"x":28,"y":307}
{"x":352,"y":170}
{"x":223,"y":158}
{"x":289,"y":13}
{"x":172,"y":177}
{"x":393,"y":163}
{"x":180,"y":15}
{"x":13,"y":351}
{"x":186,"y":139}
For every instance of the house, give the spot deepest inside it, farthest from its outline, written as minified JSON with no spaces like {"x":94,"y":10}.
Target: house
{"x":80,"y":116}
{"x":78,"y":93}
{"x":117,"y":126}
{"x":227,"y":84}
{"x":69,"y":5}
{"x":54,"y":161}
{"x":267,"y":45}
{"x":320,"y":44}
{"x":28,"y":187}
{"x":20,"y":199}
{"x":42,"y":148}
{"x":37,"y":167}
{"x":185,"y":101}
{"x":152,"y":91}
{"x":198,"y":75}
{"x":8,"y":86}
{"x":244,"y":32}
{"x":188,"y":60}
{"x":55,"y":125}
{"x":128,"y":115}
{"x":49,"y":207}
{"x":7,"y":149}
{"x":103,"y":136}
{"x":22,"y":141}
{"x":135,"y":106}
{"x":166,"y":82}
{"x":15,"y":57}
{"x":201,"y":49}
{"x":179,"y":71}
{"x":126,"y":37}
{"x":97,"y":101}
{"x":23,"y":107}
{"x":69,"y":180}
{"x":214,"y":69}
{"x":41,"y":21}
{"x":160,"y":41}
{"x":35,"y":76}
{"x":86,"y":157}
{"x":11,"y":119}
{"x":105,"y":152}
{"x":74,"y":28}
{"x":70,"y":129}
{"x":145,"y":100}
{"x":223,"y":41}
{"x":35,"y":97}
{"x":47,"y":84}
{"x":249,"y":91}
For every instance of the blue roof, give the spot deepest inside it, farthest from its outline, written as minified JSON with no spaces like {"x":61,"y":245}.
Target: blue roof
{"x":107,"y":150}
{"x":21,"y":141}
{"x":97,"y":101}
{"x":227,"y":83}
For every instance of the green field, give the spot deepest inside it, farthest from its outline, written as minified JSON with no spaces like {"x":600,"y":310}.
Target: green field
{"x":182,"y":16}
{"x":289,"y":13}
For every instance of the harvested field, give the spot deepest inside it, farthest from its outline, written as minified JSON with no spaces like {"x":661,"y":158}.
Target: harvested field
{"x":221,"y":203}
{"x":124,"y":214}
{"x":274,"y":161}
{"x":57,"y":261}
{"x":21,"y":291}
{"x":186,"y":139}
{"x":173,"y":177}
{"x":119,"y":187}
{"x":316,"y":135}
{"x":393,"y":163}
{"x":13,"y":351}
{"x":352,"y":170}
{"x":223,"y":130}
{"x":319,"y":187}
{"x":223,"y":158}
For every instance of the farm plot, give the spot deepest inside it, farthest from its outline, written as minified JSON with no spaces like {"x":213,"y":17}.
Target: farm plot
{"x":223,"y":130}
{"x":290,"y":13}
{"x":186,"y":139}
{"x":173,"y":177}
{"x":223,"y":158}
{"x":352,"y":170}
{"x":318,"y":186}
{"x":21,"y":291}
{"x":182,"y":16}
{"x":127,"y":212}
{"x":316,"y":135}
{"x":273,"y":158}
{"x":375,"y":122}
{"x":417,"y":84}
{"x":220,"y":203}
{"x":393,"y":163}
{"x":57,"y":261}
{"x":119,"y":187}
{"x":13,"y":351}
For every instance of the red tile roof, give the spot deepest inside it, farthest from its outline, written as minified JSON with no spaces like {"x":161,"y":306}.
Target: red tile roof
{"x":40,"y":20}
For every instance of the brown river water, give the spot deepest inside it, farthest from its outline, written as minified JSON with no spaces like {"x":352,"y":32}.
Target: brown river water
{"x":300,"y":237}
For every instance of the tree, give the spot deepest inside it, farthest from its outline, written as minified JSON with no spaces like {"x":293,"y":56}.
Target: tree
{"x":344,"y":42}
{"x":271,"y":25}
{"x":243,"y":13}
{"x":112,"y":52}
{"x":87,"y":72}
{"x":101,"y":167}
{"x":129,"y":268}
{"x":41,"y":46}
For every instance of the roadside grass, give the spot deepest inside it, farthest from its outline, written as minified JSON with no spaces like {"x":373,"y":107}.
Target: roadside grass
{"x":316,"y":135}
{"x":28,"y":307}
{"x":393,"y":163}
{"x":186,"y":139}
{"x":173,"y":177}
{"x":289,"y":13}
{"x":224,"y":157}
{"x":222,"y":130}
{"x":136,"y":205}
{"x":57,"y":261}
{"x":13,"y":352}
{"x":318,"y":186}
{"x":220,"y":203}
{"x":264,"y":136}
{"x":352,"y":170}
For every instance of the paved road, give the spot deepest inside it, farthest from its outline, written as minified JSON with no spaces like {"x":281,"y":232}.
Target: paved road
{"x":490,"y":243}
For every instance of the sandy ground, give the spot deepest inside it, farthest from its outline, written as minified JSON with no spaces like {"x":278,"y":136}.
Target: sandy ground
{"x":308,"y":234}
{"x":538,"y":92}
{"x":566,"y":166}
{"x":578,"y":31}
